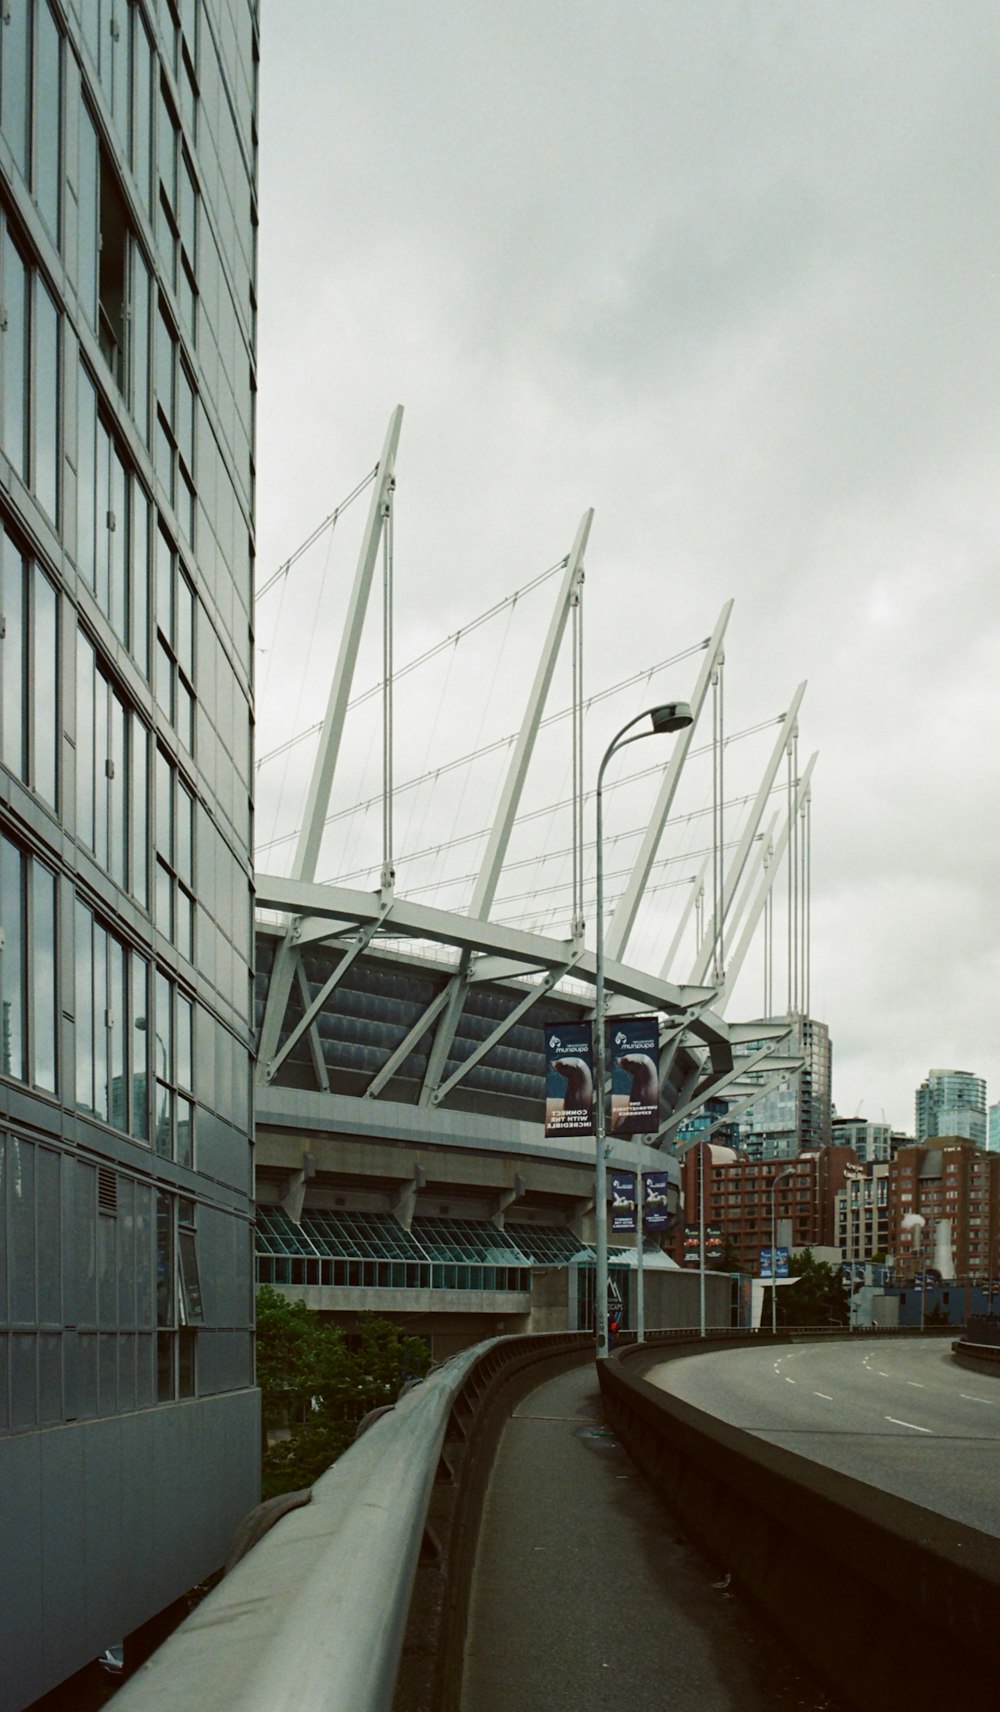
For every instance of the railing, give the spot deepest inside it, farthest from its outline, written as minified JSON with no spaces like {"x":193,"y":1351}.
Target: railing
{"x":314,"y":1617}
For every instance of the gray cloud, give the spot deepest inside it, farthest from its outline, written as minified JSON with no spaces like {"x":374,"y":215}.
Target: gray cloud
{"x":728,"y":272}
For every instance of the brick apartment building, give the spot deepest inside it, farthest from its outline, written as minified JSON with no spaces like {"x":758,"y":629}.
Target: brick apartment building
{"x":948,"y":1177}
{"x":738,"y":1197}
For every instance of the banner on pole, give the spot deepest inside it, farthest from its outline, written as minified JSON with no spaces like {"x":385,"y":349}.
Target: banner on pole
{"x":623,"y":1200}
{"x":655,"y":1205}
{"x":692,"y":1246}
{"x":632,"y":1050}
{"x":569,"y":1079}
{"x":713,"y":1243}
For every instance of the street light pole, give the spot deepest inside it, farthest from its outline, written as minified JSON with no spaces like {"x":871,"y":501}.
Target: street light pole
{"x":789,"y":1171}
{"x":671,"y":716}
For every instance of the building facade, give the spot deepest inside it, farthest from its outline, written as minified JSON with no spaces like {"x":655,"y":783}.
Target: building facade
{"x":128,"y":1414}
{"x":748,"y":1198}
{"x":951,"y":1102}
{"x":872,"y":1142}
{"x":944,"y":1210}
{"x":862,"y":1212}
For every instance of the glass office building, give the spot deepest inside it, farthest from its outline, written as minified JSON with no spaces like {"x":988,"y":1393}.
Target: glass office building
{"x":128,"y":1416}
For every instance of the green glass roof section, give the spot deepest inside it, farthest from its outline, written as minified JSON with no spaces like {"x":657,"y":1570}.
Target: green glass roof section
{"x":468,"y":1240}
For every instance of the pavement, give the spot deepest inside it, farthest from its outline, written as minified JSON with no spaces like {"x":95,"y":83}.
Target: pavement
{"x":585,"y":1594}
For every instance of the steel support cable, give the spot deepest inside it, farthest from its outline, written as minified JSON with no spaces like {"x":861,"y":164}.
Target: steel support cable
{"x":387,"y":576}
{"x":548,"y":891}
{"x":451,"y":881}
{"x":555,"y":911}
{"x":303,"y":677}
{"x":505,"y":743}
{"x":327,"y":523}
{"x":793,"y":866}
{"x":548,"y":855}
{"x":426,"y":657}
{"x":807,"y":903}
{"x":578,"y":788}
{"x":466,"y":760}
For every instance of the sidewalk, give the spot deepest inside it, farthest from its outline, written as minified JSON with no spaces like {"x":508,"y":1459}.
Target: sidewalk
{"x":586,"y":1598}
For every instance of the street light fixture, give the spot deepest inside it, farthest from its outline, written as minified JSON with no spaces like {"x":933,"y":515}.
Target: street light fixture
{"x":669,"y":716}
{"x":789,"y":1171}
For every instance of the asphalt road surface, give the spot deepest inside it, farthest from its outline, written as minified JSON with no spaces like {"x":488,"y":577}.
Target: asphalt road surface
{"x":901,"y":1416}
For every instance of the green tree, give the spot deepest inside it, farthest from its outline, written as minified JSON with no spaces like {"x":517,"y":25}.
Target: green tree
{"x":317,"y":1385}
{"x":817,"y":1298}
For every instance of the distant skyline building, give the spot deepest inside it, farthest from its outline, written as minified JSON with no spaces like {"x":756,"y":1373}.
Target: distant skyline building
{"x":872,"y":1142}
{"x":129,"y":1416}
{"x":797,"y":1115}
{"x":993,"y":1128}
{"x":951,"y":1102}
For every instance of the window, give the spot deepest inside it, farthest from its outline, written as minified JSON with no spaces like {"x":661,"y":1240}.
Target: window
{"x":175,"y":620}
{"x":112,"y":526}
{"x":173,"y":449}
{"x":112,"y":1031}
{"x":27,"y":968}
{"x":174,"y":910}
{"x":28,"y":670}
{"x":174,"y":1099}
{"x":177,"y":208}
{"x":30,"y":100}
{"x":30,"y":373}
{"x":179,"y":1306}
{"x":112,"y":748}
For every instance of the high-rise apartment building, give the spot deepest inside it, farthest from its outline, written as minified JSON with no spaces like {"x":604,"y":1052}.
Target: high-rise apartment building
{"x":797,"y":1115}
{"x":128,"y":1415}
{"x":993,"y":1127}
{"x":951,"y":1102}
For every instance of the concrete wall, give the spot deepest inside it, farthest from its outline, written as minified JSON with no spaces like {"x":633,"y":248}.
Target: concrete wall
{"x":108,"y":1521}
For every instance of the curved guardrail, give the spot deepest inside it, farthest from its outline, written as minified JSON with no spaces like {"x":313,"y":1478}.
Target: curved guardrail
{"x":313,"y":1617}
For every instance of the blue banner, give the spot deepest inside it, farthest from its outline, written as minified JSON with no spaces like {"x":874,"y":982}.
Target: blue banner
{"x":622,"y":1200}
{"x":569,"y":1079}
{"x":633,"y":1049}
{"x":655,"y":1205}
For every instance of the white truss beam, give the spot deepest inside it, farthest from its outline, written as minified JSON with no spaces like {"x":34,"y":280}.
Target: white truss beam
{"x":324,"y":766}
{"x":623,"y":920}
{"x":765,"y":884}
{"x":738,"y":863}
{"x":527,"y":1003}
{"x":503,"y":825}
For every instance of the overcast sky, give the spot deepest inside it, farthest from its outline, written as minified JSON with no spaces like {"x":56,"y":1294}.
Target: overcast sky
{"x":730,"y":274}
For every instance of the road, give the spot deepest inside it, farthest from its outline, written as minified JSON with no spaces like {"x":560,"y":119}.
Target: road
{"x":901,"y":1416}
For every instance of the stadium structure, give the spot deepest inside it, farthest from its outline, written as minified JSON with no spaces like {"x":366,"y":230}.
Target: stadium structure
{"x":402,"y":1164}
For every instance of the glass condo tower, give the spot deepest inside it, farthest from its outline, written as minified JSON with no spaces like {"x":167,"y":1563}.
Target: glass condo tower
{"x":129,"y":1427}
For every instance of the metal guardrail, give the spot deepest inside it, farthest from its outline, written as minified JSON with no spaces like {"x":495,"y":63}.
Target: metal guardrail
{"x":313,"y":1618}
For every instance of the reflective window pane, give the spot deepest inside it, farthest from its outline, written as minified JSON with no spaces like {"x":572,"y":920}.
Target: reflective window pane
{"x":44,"y":687}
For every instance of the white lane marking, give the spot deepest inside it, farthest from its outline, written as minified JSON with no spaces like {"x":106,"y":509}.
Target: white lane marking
{"x":824,"y":1394}
{"x":881,"y":1374}
{"x":915,"y":1383}
{"x":910,"y":1424}
{"x":969,"y":1399}
{"x":789,"y":1381}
